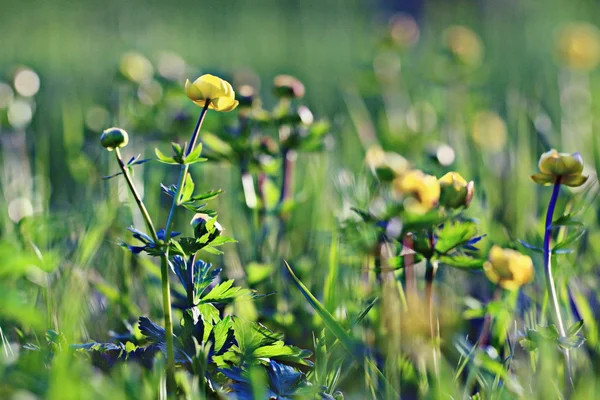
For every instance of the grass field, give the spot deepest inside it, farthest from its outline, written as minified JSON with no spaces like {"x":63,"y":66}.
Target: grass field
{"x":392,"y":223}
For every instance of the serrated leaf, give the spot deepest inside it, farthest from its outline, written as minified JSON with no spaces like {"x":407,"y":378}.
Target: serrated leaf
{"x":224,"y":292}
{"x":453,"y":235}
{"x":570,"y":239}
{"x":194,"y":154}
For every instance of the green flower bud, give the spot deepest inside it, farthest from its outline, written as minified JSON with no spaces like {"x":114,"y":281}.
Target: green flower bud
{"x":455,"y":192}
{"x":287,"y":86}
{"x":199,"y":223}
{"x":113,"y":138}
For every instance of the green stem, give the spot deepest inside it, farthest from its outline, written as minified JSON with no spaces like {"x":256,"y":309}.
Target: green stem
{"x":430,"y":271}
{"x":164,"y":272}
{"x":136,"y":196}
{"x":550,"y":286}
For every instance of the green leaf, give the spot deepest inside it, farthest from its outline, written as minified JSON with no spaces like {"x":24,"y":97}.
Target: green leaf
{"x":452,"y":235}
{"x":207,"y":195}
{"x":221,"y":332}
{"x":194,"y":155}
{"x":188,"y":190}
{"x":571,"y":342}
{"x":571,"y":238}
{"x":575,"y":328}
{"x":208,"y":312}
{"x":212,"y":250}
{"x":221,"y":240}
{"x":462,"y":261}
{"x":224,"y":292}
{"x":129,"y":347}
{"x":164,"y":159}
{"x":567,"y":220}
{"x":337,"y":329}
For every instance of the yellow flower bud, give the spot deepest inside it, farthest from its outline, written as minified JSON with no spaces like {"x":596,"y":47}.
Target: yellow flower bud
{"x":113,"y":138}
{"x":212,"y":89}
{"x":508,"y":268}
{"x":199,"y":224}
{"x":455,"y":191}
{"x":425,"y":189}
{"x":563,"y":168}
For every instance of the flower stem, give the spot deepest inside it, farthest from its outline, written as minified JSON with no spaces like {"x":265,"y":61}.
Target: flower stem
{"x":136,"y":196}
{"x":164,"y":260}
{"x":430,"y":271}
{"x":164,"y":271}
{"x":183,"y":172}
{"x":550,"y":286}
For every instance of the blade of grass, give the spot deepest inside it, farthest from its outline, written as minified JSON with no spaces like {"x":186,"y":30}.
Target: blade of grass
{"x":338,"y":330}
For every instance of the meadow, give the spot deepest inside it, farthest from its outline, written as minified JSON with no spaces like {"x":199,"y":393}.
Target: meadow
{"x":290,"y":200}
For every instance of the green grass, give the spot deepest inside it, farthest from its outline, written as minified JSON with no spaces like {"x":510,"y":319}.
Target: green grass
{"x":63,"y":270}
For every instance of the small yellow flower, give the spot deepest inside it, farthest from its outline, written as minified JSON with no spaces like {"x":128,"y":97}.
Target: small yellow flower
{"x":464,"y":44}
{"x":212,"y":89}
{"x":455,"y":190}
{"x":385,"y":165}
{"x":508,"y":268}
{"x":560,"y":167}
{"x":578,"y":46}
{"x":425,"y":189}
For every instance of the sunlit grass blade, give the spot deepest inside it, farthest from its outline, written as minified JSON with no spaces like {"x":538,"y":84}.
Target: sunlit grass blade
{"x":337,"y":329}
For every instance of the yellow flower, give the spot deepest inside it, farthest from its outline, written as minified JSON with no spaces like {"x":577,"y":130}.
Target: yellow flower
{"x":455,"y":190}
{"x":425,"y":189}
{"x":464,"y":44}
{"x":385,"y":165}
{"x":558,"y":167}
{"x":508,"y":268}
{"x":212,"y":89}
{"x":578,"y":46}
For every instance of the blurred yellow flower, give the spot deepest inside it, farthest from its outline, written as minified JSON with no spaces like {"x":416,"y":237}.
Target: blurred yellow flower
{"x":212,"y":89}
{"x":425,"y":189}
{"x":464,"y":44}
{"x":386,"y":165}
{"x":508,"y":268}
{"x":135,"y":67}
{"x":455,"y":191}
{"x":489,"y":131}
{"x":578,"y":46}
{"x":560,"y":167}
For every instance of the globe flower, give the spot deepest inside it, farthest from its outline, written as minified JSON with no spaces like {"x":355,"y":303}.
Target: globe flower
{"x":385,"y":165}
{"x":455,"y":192}
{"x":217,"y":92}
{"x":424,"y":188}
{"x":562,"y":168}
{"x":578,"y":46}
{"x":508,"y":268}
{"x":113,"y":138}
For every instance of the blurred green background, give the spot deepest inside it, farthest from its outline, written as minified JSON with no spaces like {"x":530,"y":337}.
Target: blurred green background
{"x":335,"y":48}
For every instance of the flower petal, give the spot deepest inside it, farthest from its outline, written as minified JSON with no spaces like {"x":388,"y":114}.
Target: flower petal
{"x":574,"y":180}
{"x":543,"y":179}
